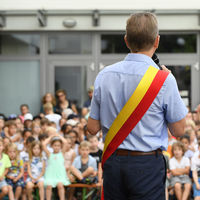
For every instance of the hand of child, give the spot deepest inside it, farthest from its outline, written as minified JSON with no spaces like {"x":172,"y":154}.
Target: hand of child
{"x":71,"y":178}
{"x":15,"y":180}
{"x":198,"y":186}
{"x":191,"y":147}
{"x":33,"y":180}
{"x":94,"y":174}
{"x":1,"y":178}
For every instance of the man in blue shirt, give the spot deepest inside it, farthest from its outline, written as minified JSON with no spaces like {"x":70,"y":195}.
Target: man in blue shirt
{"x":136,"y":170}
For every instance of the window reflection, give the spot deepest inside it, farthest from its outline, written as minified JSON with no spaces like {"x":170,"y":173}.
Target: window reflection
{"x":177,"y":43}
{"x":113,"y":44}
{"x":70,"y":44}
{"x":182,"y":75}
{"x":18,"y":44}
{"x":73,"y":80}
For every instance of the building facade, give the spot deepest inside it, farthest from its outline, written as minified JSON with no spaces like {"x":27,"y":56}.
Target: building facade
{"x":51,"y":45}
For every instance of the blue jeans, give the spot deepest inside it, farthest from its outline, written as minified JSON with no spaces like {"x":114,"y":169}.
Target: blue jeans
{"x":134,"y":177}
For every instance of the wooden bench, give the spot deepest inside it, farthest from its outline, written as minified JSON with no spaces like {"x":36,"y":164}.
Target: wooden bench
{"x":84,"y":186}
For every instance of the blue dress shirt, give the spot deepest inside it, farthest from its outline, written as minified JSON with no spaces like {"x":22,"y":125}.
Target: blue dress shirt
{"x":115,"y":84}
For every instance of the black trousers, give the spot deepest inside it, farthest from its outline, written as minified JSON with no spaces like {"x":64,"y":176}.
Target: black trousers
{"x":134,"y":177}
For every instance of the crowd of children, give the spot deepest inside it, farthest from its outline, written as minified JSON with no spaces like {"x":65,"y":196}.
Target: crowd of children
{"x":57,"y":153}
{"x":35,"y":152}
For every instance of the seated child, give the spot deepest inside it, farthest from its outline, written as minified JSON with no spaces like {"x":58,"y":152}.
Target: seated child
{"x":62,"y":121}
{"x":84,"y":166}
{"x":36,"y":169}
{"x":44,"y":124}
{"x":185,"y":139}
{"x":180,"y":168}
{"x":14,"y":178}
{"x":12,"y":131}
{"x":36,"y":129}
{"x":74,"y":136}
{"x":6,"y":141}
{"x":70,"y":153}
{"x":4,"y":168}
{"x":66,"y":128}
{"x":25,"y":134}
{"x":52,"y":124}
{"x":51,"y":131}
{"x":2,"y":124}
{"x":97,"y":154}
{"x":195,"y":168}
{"x":55,"y":174}
{"x":193,"y":145}
{"x":24,"y":155}
{"x":167,"y":182}
{"x":42,"y":138}
{"x":18,"y":122}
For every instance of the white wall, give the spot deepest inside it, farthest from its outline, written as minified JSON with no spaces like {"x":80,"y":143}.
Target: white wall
{"x":107,"y":23}
{"x":98,"y":4}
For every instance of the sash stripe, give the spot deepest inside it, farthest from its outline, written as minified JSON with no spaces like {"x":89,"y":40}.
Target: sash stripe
{"x":134,"y":110}
{"x":131,"y":104}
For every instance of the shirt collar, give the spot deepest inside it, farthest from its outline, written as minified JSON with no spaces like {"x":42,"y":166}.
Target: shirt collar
{"x":140,"y":58}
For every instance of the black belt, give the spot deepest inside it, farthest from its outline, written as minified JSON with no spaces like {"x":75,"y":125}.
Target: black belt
{"x":124,"y":152}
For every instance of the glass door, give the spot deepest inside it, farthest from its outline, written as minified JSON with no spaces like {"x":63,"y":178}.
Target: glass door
{"x":74,"y":77}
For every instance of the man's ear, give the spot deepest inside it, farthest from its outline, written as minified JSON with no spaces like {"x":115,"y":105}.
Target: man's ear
{"x":125,"y":39}
{"x":157,"y":42}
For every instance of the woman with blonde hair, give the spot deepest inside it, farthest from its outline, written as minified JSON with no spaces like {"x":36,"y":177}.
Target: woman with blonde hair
{"x":48,"y":97}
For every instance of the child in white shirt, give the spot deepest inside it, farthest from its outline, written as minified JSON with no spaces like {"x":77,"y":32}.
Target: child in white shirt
{"x":180,"y":168}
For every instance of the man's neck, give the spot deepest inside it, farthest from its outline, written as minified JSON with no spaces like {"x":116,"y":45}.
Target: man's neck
{"x":147,"y":53}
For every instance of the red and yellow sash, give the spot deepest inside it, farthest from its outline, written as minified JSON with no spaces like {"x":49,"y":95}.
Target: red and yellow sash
{"x":133,"y":110}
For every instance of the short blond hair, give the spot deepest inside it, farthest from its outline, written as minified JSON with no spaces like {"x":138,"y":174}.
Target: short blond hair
{"x":191,"y":123}
{"x":141,"y":31}
{"x":85,"y":143}
{"x":48,"y":106}
{"x":14,"y":146}
{"x":51,"y":129}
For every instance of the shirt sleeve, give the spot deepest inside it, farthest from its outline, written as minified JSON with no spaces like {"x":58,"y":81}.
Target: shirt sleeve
{"x":174,"y":107}
{"x":187,"y":162}
{"x":76,"y":163}
{"x":93,"y":163}
{"x":193,"y":166}
{"x":21,"y":164}
{"x":95,"y":106}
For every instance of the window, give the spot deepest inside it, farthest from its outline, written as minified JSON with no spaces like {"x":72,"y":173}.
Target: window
{"x":178,"y":43}
{"x":113,"y":44}
{"x":182,"y":75}
{"x":19,"y":44}
{"x":20,"y":84}
{"x":70,"y":44}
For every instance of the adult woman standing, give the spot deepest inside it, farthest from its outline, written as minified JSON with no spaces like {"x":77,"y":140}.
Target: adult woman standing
{"x":63,"y":103}
{"x":48,"y":97}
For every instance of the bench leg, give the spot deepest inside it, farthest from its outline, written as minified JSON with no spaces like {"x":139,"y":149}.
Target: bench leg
{"x":37,"y":194}
{"x":90,"y":193}
{"x":84,"y":193}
